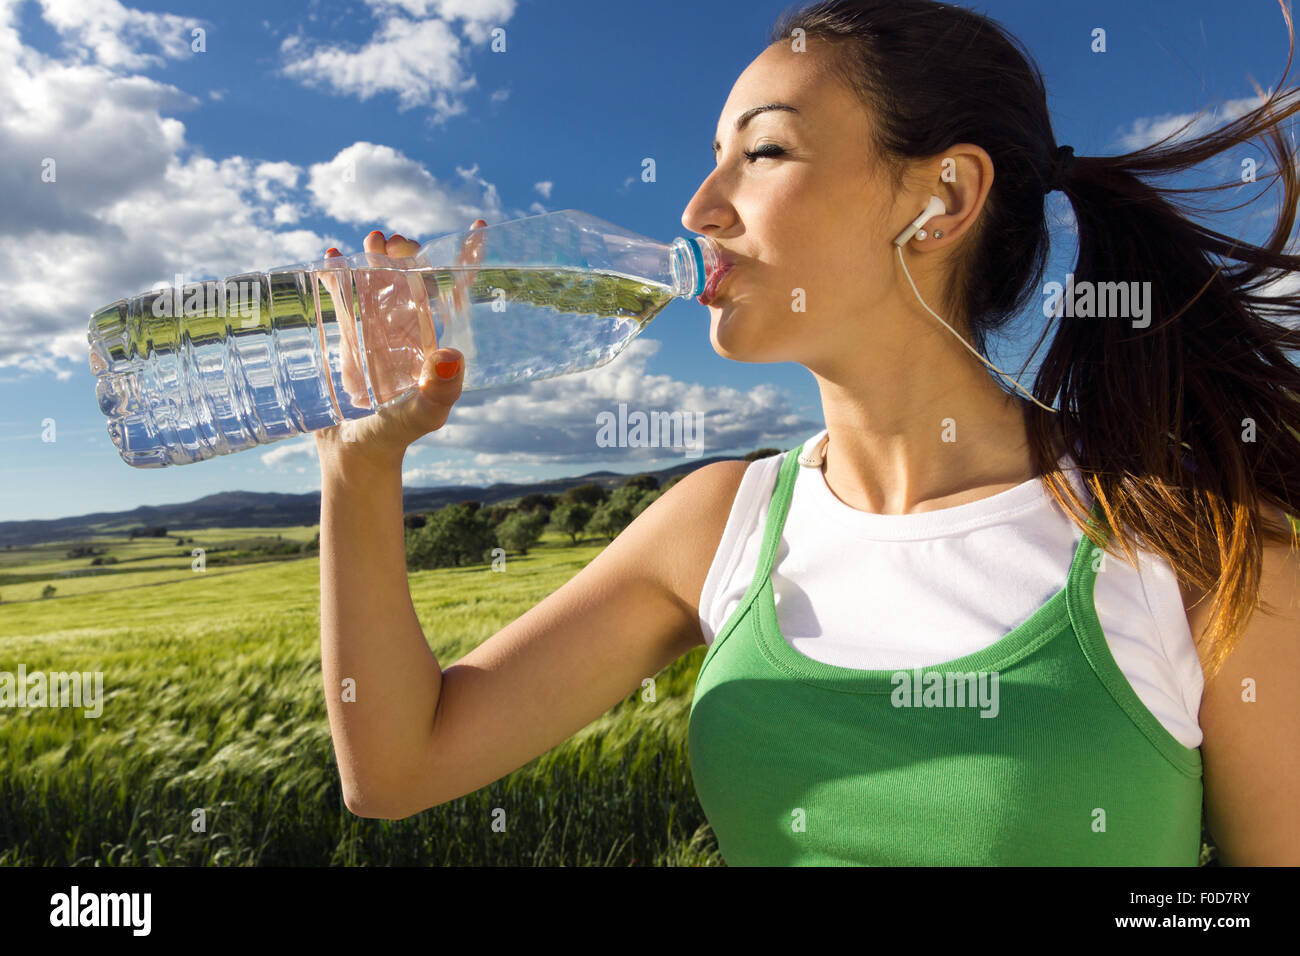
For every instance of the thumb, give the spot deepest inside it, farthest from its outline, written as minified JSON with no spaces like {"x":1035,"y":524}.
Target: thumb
{"x":427,"y":408}
{"x":441,"y":374}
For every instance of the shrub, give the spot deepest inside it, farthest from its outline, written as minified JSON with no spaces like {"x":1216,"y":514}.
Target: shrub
{"x":643,"y":482}
{"x":521,"y":530}
{"x":589,"y":494}
{"x":571,"y":518}
{"x":451,"y":537}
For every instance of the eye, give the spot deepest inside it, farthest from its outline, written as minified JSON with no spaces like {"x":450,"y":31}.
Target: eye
{"x":767,"y":149}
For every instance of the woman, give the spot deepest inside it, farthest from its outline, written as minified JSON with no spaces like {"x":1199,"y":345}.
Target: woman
{"x":931,"y":662}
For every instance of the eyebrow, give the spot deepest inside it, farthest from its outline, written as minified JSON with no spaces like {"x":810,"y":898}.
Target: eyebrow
{"x":749,"y":114}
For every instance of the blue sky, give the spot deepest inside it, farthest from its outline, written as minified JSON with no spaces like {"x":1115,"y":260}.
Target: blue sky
{"x":217,"y":162}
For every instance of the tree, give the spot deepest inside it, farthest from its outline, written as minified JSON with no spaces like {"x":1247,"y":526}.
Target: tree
{"x":411,"y":522}
{"x":521,"y":530}
{"x":495,"y":514}
{"x":48,"y":591}
{"x":671,"y":481}
{"x":643,"y":482}
{"x":536,"y":501}
{"x":571,"y":518}
{"x":762,"y":453}
{"x":453,"y":536}
{"x":589,"y":494}
{"x":615,"y":513}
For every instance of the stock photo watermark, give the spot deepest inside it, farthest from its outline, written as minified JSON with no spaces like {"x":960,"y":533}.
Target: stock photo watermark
{"x":1100,"y":300}
{"x":53,"y":689}
{"x":976,"y":689}
{"x":128,"y":910}
{"x":241,"y":298}
{"x":640,"y":429}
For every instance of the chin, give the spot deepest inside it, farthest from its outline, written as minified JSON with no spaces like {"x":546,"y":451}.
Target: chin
{"x":745,"y":337}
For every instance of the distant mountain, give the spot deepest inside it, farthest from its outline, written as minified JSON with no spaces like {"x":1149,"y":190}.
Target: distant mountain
{"x":257,"y":509}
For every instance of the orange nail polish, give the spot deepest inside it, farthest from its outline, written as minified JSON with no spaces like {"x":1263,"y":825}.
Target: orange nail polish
{"x":447,"y":369}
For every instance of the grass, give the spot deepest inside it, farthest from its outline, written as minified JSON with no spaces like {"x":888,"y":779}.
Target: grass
{"x":214,"y":705}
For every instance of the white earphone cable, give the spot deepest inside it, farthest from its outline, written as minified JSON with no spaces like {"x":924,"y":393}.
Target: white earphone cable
{"x":958,"y":334}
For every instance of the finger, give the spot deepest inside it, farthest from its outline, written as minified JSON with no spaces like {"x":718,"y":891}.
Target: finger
{"x":429,"y":407}
{"x":352,"y":381}
{"x":375,"y":243}
{"x":471,"y":251}
{"x":400,"y":248}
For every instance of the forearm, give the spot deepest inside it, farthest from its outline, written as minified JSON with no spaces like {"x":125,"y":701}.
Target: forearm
{"x":370,"y":635}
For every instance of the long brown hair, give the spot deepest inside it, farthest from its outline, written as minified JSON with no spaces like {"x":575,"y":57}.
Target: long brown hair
{"x":1181,"y":430}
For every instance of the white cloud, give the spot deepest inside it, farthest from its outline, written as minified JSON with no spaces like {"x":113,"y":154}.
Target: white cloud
{"x":438,"y":474}
{"x":116,"y":36}
{"x":1147,"y":130}
{"x":271,"y":179}
{"x":1285,"y":284}
{"x":413,"y":52}
{"x":544,"y":188}
{"x":479,"y":16}
{"x":366,"y":183}
{"x":291,"y":453}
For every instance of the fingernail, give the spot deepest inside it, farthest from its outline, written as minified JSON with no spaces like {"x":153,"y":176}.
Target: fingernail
{"x":376,"y":232}
{"x":447,"y":369}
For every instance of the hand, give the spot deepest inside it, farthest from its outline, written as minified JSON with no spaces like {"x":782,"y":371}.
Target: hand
{"x":404,"y":307}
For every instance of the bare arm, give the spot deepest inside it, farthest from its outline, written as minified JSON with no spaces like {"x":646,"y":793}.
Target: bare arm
{"x":370,"y":635}
{"x":1252,"y":745}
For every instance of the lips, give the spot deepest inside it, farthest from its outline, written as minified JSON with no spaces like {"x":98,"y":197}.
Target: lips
{"x":715,"y":280}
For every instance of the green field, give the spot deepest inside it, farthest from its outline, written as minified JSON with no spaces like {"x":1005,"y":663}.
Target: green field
{"x":214,"y":701}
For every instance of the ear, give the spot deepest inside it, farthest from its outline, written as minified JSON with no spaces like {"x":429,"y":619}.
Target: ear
{"x":963,"y":176}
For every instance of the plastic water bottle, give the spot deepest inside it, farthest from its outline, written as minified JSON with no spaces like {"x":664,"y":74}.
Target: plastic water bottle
{"x":195,"y":371}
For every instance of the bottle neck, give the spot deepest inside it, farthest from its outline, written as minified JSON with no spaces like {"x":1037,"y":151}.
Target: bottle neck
{"x":692,"y":261}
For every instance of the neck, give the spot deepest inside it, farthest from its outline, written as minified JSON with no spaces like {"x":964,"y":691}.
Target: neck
{"x":885,"y":472}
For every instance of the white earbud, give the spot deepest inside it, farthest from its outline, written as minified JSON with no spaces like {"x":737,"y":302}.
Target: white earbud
{"x":934,"y":208}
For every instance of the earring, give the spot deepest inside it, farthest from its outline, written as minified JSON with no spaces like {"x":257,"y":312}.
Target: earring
{"x":922,"y":234}
{"x":938,"y":234}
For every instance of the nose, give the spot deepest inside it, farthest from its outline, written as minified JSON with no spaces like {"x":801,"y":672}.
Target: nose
{"x":707,"y":209}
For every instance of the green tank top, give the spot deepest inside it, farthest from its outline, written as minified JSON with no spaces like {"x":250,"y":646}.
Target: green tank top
{"x":1034,"y":751}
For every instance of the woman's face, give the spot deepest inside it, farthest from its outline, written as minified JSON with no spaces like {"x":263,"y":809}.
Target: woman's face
{"x":807,"y":227}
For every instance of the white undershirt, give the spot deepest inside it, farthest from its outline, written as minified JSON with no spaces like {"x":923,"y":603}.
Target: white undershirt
{"x":943,"y":584}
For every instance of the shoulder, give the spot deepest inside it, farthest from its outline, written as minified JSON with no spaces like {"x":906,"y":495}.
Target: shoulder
{"x":1278,"y":569}
{"x":691,"y":518}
